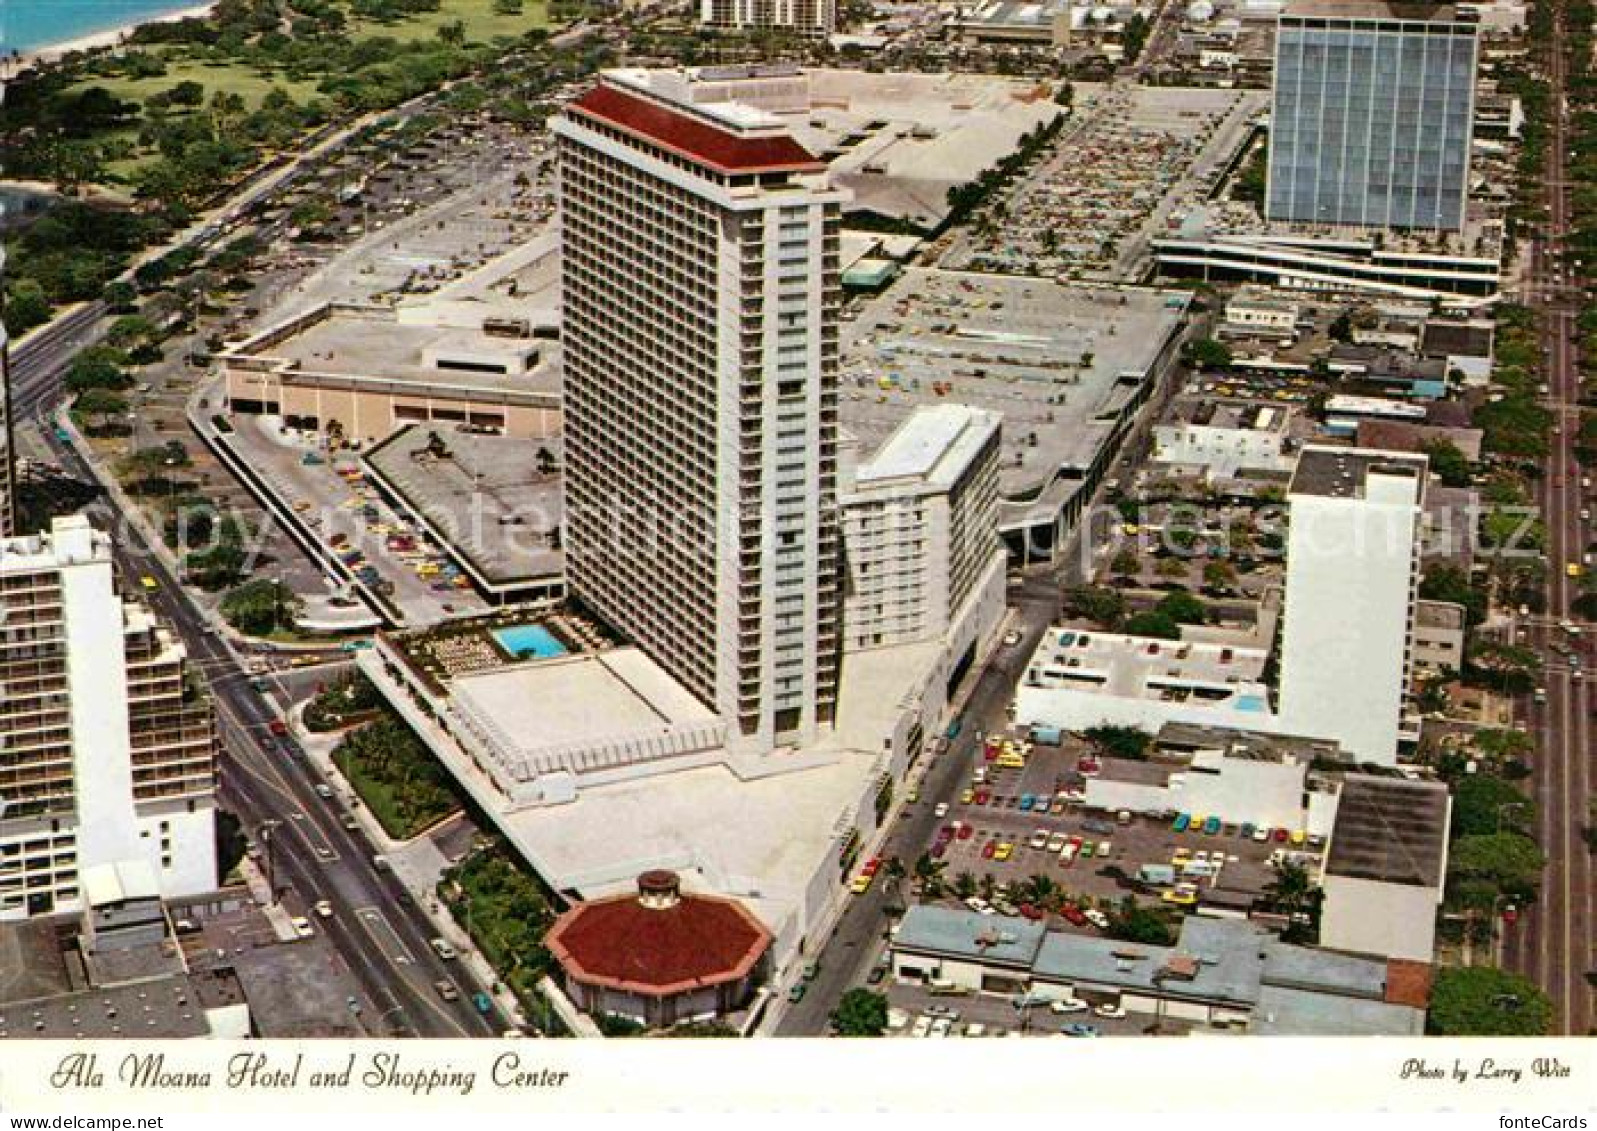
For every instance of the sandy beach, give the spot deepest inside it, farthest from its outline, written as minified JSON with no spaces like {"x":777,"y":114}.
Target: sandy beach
{"x":110,"y":37}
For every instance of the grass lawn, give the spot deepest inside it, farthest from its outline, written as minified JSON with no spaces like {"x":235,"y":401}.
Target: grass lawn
{"x":235,"y":78}
{"x":483,"y":25}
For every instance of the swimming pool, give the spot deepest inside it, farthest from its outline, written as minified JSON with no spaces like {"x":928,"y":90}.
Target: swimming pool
{"x":529,"y":641}
{"x":1251,"y":703}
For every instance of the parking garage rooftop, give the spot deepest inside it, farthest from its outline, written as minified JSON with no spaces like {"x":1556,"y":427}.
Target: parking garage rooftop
{"x":340,"y":343}
{"x":495,"y":500}
{"x":1063,"y":363}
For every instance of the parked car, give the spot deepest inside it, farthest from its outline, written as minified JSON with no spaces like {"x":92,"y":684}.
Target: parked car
{"x":302,"y":926}
{"x":446,"y":990}
{"x":1113,"y":1012}
{"x":1077,"y":1029}
{"x":1069,"y":1005}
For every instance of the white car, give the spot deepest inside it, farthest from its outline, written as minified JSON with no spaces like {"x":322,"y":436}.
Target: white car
{"x":1096,"y":918}
{"x":323,"y":908}
{"x":940,"y":809}
{"x":922,"y":1027}
{"x":977,"y":904}
{"x":1112,"y":1012}
{"x":1069,"y":1005}
{"x":302,"y":926}
{"x":1261,"y":834}
{"x":942,"y":1027}
{"x":1011,"y":639}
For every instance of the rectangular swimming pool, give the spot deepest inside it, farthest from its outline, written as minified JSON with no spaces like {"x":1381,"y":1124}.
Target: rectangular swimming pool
{"x":529,"y":641}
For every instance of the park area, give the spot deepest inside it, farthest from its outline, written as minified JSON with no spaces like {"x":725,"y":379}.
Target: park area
{"x":396,"y":776}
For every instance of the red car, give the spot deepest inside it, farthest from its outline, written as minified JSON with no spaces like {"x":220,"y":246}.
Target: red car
{"x":982,"y":797}
{"x":872,"y":866}
{"x":988,"y":849}
{"x":965,"y":832}
{"x":1073,"y":913}
{"x":1281,"y":836}
{"x":1029,"y":912}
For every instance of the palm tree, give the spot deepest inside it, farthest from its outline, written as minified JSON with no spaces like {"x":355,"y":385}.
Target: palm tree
{"x":1291,"y":892}
{"x":987,"y":886}
{"x":964,"y":885}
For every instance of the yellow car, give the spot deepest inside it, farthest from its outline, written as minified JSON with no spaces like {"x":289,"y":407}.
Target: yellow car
{"x":149,"y":583}
{"x":1182,"y":855}
{"x":1572,"y":569}
{"x":1298,"y":837}
{"x":1179,"y":898}
{"x":861,"y":885}
{"x":1003,"y":851}
{"x":1010,"y":762}
{"x":966,"y":797}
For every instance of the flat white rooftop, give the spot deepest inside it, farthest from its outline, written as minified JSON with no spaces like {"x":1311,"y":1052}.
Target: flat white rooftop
{"x":1142,"y":667}
{"x":579,"y":699}
{"x":754,"y":838}
{"x":934,"y":437}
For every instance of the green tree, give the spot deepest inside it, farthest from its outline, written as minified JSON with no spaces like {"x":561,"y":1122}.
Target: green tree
{"x":1483,"y":1001}
{"x":26,"y":306}
{"x":1482,"y":868}
{"x":1450,"y":465}
{"x":97,"y":406}
{"x":1219,"y":576}
{"x":1291,"y":892}
{"x":1096,"y":603}
{"x":1208,"y":353}
{"x":260,"y":607}
{"x":1155,"y":624}
{"x":1484,"y":805}
{"x":1125,"y":563}
{"x":1183,"y":608}
{"x":860,"y":1013}
{"x":98,"y":367}
{"x":1143,"y":925}
{"x":1120,"y":741}
{"x":1446,"y":582}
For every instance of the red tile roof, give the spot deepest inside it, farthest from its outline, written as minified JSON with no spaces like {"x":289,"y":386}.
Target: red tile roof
{"x":1408,"y":983}
{"x":724,"y":150}
{"x":619,"y":943}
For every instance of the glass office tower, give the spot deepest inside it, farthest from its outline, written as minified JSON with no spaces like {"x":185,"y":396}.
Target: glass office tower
{"x":1372,"y":116}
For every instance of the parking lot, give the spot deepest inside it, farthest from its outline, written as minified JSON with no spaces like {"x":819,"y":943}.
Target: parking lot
{"x":914,"y":1011}
{"x":994,"y":832}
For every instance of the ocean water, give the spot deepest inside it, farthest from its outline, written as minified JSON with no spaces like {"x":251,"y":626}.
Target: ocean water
{"x":29,"y":24}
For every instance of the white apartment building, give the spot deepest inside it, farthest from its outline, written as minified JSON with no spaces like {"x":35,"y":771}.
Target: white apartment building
{"x":107,"y":753}
{"x":920,"y":528}
{"x":700,"y":288}
{"x":1257,"y":309}
{"x":1351,"y":577}
{"x":806,"y":17}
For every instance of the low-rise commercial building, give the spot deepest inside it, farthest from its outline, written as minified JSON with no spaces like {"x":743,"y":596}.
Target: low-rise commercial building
{"x":360,"y":373}
{"x":1223,"y":973}
{"x":1225,"y":439}
{"x":1385,"y":867}
{"x":660,"y":956}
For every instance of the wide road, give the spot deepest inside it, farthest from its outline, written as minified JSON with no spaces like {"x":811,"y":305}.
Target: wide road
{"x":1553,"y":944}
{"x":265,"y":778}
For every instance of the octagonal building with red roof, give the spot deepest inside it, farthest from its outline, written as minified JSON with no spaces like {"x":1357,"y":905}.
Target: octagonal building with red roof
{"x":660,"y":956}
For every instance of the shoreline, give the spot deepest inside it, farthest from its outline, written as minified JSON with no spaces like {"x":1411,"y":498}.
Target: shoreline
{"x":110,"y":37}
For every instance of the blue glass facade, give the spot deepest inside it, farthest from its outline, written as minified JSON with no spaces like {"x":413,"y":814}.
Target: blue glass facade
{"x":1371,"y":122}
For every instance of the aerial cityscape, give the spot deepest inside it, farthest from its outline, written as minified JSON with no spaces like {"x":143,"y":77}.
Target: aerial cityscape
{"x":787,"y":518}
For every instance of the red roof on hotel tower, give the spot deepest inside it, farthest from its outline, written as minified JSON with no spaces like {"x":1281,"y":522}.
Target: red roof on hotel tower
{"x":692,"y":137}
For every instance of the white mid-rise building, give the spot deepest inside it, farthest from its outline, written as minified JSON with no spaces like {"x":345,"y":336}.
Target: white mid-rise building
{"x":1351,"y":577}
{"x":805,"y":17}
{"x":700,"y":290}
{"x":920,"y":528}
{"x":107,"y":752}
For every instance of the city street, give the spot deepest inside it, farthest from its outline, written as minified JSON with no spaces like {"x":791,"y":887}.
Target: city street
{"x":1553,"y":943}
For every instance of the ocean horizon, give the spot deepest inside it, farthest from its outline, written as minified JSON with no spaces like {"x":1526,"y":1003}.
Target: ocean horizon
{"x":27,"y":25}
